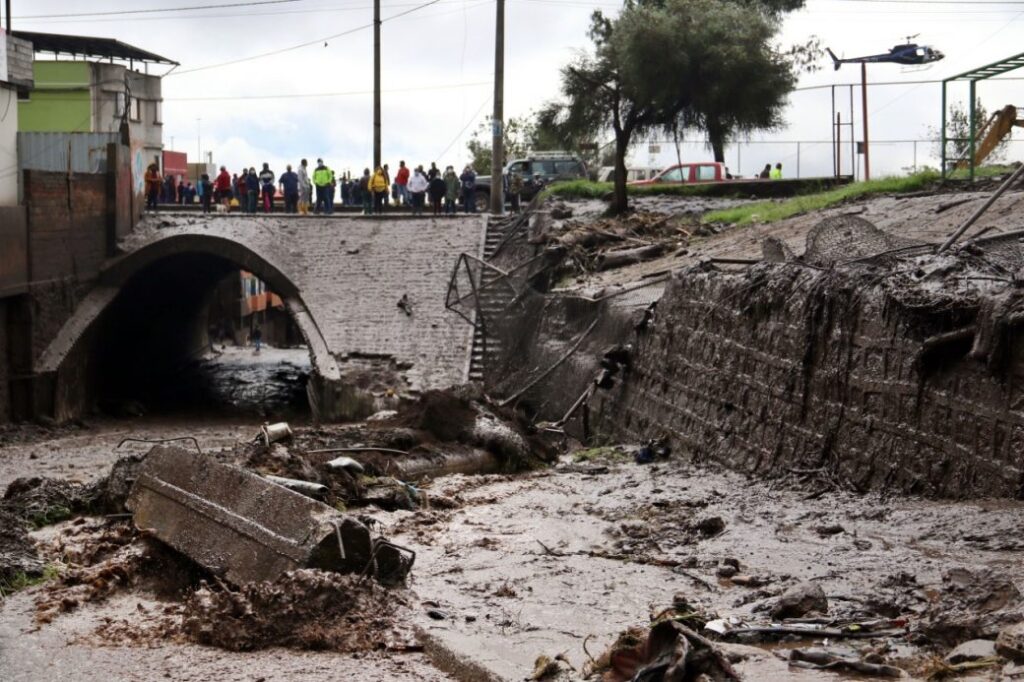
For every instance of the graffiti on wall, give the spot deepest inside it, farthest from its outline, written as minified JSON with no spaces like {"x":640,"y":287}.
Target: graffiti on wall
{"x":138,"y":169}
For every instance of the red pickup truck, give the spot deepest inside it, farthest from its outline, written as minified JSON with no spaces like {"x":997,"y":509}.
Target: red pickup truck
{"x":710,"y":171}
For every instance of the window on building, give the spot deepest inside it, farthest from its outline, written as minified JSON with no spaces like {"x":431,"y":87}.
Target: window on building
{"x":135,"y":110}
{"x":158,"y":114}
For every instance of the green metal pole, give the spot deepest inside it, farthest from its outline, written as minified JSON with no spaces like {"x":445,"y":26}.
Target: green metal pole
{"x":973,"y":123}
{"x":944,"y":141}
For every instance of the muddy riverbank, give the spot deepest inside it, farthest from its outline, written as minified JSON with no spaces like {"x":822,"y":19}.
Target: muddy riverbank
{"x":561,"y":561}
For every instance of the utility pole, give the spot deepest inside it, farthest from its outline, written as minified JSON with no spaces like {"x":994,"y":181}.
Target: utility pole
{"x":497,"y":119}
{"x":864,"y":115}
{"x":376,"y":85}
{"x":7,"y":8}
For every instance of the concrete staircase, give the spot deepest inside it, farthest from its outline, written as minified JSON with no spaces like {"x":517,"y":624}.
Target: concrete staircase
{"x":493,"y":300}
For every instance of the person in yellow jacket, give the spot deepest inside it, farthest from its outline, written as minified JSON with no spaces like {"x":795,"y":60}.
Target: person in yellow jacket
{"x":322,"y":180}
{"x":776,"y":173}
{"x":379,"y":186}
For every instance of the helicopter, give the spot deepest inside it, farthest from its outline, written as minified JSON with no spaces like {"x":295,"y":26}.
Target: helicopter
{"x":909,"y":54}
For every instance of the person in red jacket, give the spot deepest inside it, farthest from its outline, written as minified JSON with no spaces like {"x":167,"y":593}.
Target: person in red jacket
{"x":222,"y":186}
{"x":153,"y":183}
{"x":402,"y":182}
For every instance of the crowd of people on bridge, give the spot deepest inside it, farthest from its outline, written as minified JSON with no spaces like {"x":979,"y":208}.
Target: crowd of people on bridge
{"x":319,"y":191}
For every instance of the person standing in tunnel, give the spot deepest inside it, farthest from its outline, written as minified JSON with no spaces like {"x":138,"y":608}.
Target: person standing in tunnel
{"x":257,"y":338}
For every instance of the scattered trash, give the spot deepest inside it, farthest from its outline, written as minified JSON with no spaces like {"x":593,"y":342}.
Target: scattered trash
{"x":314,"y":490}
{"x":1010,"y":642}
{"x":669,"y":651}
{"x":274,"y":433}
{"x":822,"y":660}
{"x":655,"y":448}
{"x":971,"y":650}
{"x":346,"y":464}
{"x":548,"y":669}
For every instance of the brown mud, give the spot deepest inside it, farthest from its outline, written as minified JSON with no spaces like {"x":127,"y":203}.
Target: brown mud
{"x":562,"y":562}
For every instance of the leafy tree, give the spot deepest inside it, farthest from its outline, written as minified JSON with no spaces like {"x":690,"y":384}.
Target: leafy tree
{"x":725,"y":60}
{"x":663,"y":65}
{"x":598,"y":97}
{"x":521,"y":135}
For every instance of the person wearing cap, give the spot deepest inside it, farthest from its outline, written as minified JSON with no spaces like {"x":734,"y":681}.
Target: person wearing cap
{"x":322,"y":182}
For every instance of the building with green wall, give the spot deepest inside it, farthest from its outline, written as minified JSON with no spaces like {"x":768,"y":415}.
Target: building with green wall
{"x":61,"y":100}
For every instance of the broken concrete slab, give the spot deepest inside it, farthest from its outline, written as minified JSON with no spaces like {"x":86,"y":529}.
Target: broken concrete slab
{"x":241,"y":526}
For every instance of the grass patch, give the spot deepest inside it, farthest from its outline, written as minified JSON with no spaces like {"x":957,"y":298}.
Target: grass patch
{"x":22,"y":580}
{"x":770,"y":211}
{"x":50,"y":516}
{"x":982,"y":172}
{"x":587,"y":189}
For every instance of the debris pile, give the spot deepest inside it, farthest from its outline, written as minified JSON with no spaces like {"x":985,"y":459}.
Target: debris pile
{"x":304,"y":609}
{"x":608,"y":243}
{"x":381,"y":461}
{"x":670,"y":650}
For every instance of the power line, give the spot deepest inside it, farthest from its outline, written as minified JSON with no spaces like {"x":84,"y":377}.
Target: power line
{"x":464,"y":128}
{"x":113,"y":17}
{"x":302,"y":45}
{"x":218,"y":98}
{"x":155,"y":11}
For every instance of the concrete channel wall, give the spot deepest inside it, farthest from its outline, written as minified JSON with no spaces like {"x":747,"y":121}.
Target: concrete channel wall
{"x":785,"y":368}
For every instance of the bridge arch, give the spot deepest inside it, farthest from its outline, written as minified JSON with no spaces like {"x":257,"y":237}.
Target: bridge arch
{"x":150,"y":305}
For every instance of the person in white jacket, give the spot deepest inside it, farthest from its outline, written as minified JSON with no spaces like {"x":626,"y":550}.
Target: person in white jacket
{"x":418,"y":189}
{"x":305,"y":188}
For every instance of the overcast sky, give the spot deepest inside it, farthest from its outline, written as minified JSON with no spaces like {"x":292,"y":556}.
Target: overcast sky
{"x":437,"y":67}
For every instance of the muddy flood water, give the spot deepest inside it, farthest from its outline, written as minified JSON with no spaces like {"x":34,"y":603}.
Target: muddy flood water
{"x":558,"y":562}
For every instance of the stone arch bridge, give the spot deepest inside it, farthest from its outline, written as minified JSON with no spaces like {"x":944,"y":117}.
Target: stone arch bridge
{"x":341,"y":280}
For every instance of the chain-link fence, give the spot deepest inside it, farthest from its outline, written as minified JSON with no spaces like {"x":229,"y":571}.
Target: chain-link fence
{"x":816,"y":158}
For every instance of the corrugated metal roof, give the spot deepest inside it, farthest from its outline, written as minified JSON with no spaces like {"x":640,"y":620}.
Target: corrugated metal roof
{"x":88,"y":46}
{"x":77,"y":152}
